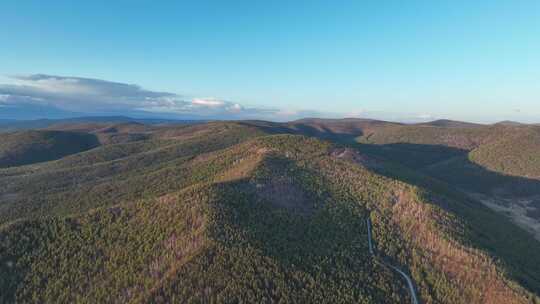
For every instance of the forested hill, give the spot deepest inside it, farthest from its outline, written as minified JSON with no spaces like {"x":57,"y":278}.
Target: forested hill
{"x":27,"y":147}
{"x":250,"y":212}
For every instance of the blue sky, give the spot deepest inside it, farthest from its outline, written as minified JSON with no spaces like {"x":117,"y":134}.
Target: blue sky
{"x":399,"y":60}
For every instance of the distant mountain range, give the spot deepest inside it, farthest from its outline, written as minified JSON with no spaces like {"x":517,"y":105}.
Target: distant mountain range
{"x":12,"y":124}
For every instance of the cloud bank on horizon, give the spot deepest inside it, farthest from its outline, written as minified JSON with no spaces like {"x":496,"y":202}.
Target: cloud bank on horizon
{"x":51,"y":96}
{"x":102,"y":97}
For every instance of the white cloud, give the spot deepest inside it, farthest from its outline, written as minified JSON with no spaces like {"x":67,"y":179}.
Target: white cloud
{"x":356,"y":114}
{"x":205,"y":102}
{"x":86,"y":95}
{"x":235,"y":108}
{"x":424,"y":116}
{"x":97,"y":97}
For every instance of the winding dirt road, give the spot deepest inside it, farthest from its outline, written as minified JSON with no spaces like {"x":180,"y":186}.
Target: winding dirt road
{"x":414,"y":298}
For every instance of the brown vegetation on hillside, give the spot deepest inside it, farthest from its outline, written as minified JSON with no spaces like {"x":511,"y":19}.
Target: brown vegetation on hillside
{"x":230,"y":212}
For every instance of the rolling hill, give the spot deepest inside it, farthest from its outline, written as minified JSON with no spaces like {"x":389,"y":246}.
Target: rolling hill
{"x":446,"y":123}
{"x":27,"y":147}
{"x":496,"y":164}
{"x":252,"y":212}
{"x":338,"y":128}
{"x":10,"y":125}
{"x":517,"y":155}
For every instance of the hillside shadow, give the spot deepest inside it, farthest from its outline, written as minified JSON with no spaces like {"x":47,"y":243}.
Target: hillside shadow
{"x":278,"y":211}
{"x":326,"y":248}
{"x":453,"y":175}
{"x":452,"y":166}
{"x":296,"y":240}
{"x":414,"y":156}
{"x":322,"y":132}
{"x":31,"y":147}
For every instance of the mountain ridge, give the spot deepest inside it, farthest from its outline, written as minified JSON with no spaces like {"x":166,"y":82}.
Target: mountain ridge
{"x":225,"y":211}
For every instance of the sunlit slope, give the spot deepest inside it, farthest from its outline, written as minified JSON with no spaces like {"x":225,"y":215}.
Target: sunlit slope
{"x":114,"y":173}
{"x":517,"y":155}
{"x":463,"y":138}
{"x":260,"y":218}
{"x":226,"y":238}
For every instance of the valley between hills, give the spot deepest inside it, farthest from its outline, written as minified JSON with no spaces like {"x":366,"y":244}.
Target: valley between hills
{"x":308,"y":211}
